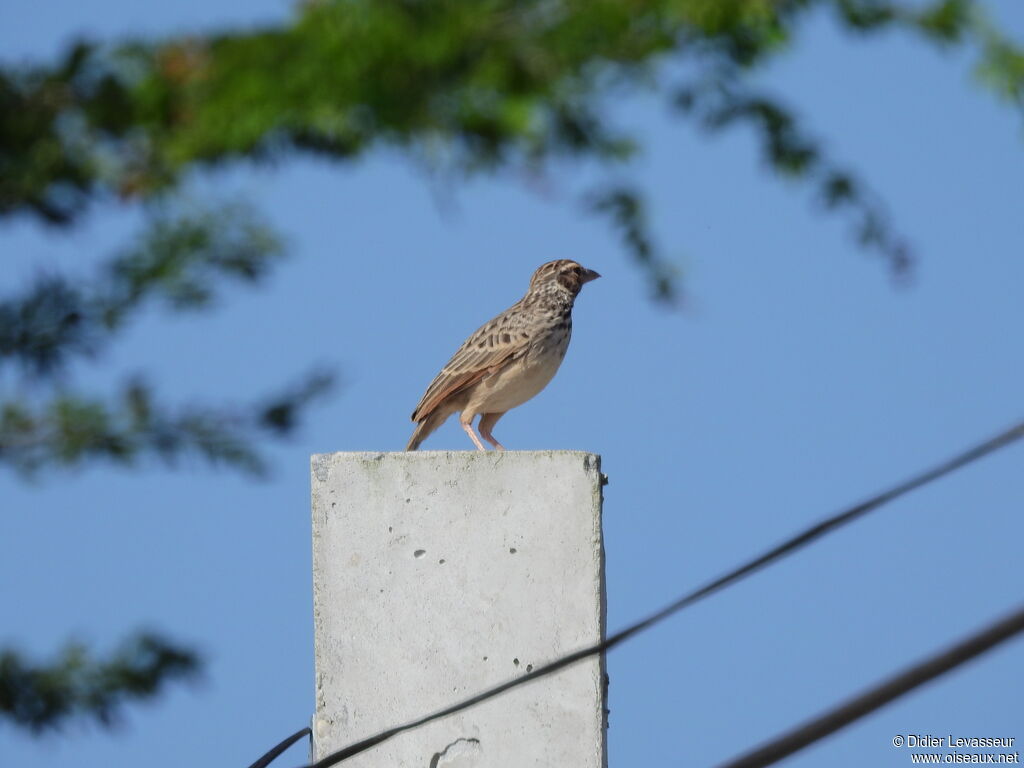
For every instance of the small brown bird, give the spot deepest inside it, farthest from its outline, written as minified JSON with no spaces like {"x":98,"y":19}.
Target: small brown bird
{"x":507,"y":360}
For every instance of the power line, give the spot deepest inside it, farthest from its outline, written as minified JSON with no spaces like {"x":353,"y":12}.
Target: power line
{"x":882,"y":694}
{"x":268,"y":758}
{"x":778,"y":552}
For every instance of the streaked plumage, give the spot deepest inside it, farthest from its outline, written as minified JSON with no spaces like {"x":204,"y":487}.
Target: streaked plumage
{"x":507,"y":360}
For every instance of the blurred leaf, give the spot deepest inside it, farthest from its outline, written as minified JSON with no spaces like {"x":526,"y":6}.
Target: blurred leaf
{"x":792,"y":153}
{"x":473,"y":86}
{"x":69,"y":430}
{"x":181,"y":257}
{"x":41,"y":328}
{"x":280,"y":414}
{"x":78,"y":686}
{"x":624,"y":206}
{"x":947,"y":20}
{"x":1001,"y":65}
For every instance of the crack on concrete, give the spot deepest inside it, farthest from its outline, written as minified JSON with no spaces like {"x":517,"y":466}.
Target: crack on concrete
{"x":475,"y":749}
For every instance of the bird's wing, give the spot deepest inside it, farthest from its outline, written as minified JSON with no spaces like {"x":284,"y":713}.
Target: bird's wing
{"x":489,"y":349}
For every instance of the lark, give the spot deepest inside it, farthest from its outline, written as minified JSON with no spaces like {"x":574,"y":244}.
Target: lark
{"x":507,"y":360}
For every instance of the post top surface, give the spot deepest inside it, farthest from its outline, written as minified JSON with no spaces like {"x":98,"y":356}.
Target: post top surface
{"x":464,"y":453}
{"x":321,"y":464}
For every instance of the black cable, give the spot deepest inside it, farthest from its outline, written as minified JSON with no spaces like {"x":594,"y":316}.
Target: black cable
{"x":782,"y":550}
{"x":882,"y":694}
{"x":268,"y":758}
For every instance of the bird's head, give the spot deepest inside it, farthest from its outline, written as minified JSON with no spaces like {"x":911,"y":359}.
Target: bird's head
{"x":564,"y":273}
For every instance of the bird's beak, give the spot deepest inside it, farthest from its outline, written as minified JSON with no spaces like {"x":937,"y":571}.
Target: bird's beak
{"x":588,"y":275}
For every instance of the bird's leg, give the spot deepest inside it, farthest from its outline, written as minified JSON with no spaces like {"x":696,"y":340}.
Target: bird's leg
{"x":468,"y":426}
{"x":487,"y":422}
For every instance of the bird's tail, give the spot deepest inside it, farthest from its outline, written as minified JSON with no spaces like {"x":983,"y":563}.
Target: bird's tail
{"x":425,"y":428}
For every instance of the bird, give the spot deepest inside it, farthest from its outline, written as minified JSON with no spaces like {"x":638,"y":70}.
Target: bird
{"x":508,"y":359}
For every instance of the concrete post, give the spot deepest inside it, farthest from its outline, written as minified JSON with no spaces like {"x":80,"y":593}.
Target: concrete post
{"x":438,"y":574}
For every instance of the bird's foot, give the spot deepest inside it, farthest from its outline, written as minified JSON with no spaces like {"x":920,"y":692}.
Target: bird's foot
{"x":468,"y":427}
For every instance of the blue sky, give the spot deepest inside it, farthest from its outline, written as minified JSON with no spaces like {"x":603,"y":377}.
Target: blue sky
{"x":797,"y":379}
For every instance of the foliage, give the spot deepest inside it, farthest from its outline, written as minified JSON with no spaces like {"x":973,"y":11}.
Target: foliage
{"x":472,"y":86}
{"x":178,"y":260}
{"x":44,"y":697}
{"x":71,"y":429}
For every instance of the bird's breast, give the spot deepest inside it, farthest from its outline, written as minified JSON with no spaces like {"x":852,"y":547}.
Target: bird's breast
{"x":548,"y":347}
{"x":523,"y":378}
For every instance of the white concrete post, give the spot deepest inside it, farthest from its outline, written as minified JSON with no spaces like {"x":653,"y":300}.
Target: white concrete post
{"x":439,"y":574}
